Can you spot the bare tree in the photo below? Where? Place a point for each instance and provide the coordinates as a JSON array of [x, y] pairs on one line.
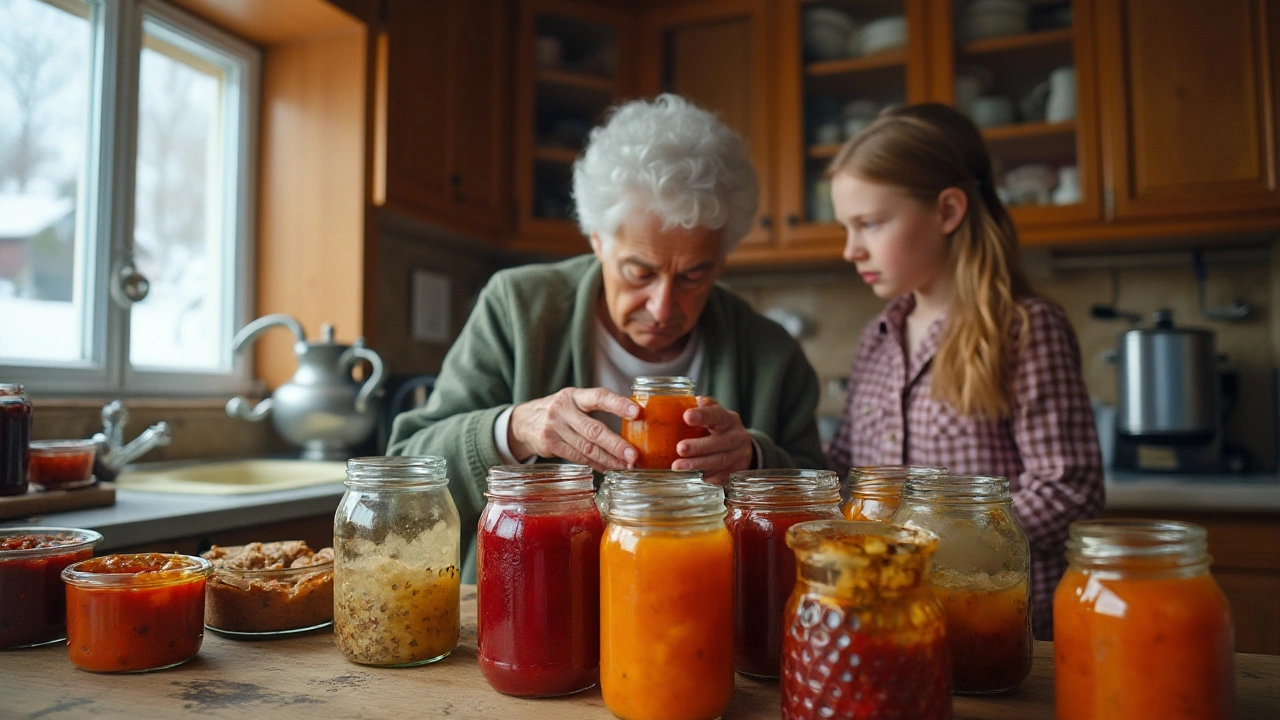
[[30, 66]]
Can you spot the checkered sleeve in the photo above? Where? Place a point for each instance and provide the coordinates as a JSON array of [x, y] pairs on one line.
[[840, 448], [1053, 428]]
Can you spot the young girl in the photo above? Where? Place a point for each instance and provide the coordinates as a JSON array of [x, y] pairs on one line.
[[966, 368]]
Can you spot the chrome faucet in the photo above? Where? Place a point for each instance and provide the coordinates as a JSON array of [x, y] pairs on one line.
[[113, 454]]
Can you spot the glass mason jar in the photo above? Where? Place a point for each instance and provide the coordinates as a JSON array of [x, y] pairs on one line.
[[875, 491], [660, 425], [666, 602], [15, 437], [763, 504], [395, 563], [981, 575], [538, 556], [33, 600], [1141, 629], [862, 634]]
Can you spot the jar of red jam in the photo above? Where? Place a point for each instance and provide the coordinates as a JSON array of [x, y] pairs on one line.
[[862, 635], [134, 613], [1141, 629], [61, 464], [875, 491], [981, 575], [33, 605], [660, 427], [15, 436], [538, 567], [763, 505]]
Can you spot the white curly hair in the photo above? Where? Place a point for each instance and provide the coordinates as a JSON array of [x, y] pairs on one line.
[[669, 158]]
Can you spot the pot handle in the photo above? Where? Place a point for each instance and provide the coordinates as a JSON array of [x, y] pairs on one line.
[[356, 352]]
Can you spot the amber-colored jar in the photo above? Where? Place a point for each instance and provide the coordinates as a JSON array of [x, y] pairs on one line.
[[862, 635], [660, 427], [1141, 629], [875, 491]]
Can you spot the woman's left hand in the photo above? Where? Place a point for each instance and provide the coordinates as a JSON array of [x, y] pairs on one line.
[[727, 449]]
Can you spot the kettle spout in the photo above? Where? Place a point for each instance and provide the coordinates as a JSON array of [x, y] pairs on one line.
[[239, 407]]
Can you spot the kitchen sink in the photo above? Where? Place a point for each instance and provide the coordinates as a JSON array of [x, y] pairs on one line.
[[232, 477]]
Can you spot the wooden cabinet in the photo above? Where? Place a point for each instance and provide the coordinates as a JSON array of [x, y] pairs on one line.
[[441, 130]]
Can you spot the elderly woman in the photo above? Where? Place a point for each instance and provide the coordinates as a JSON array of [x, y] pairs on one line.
[[544, 366]]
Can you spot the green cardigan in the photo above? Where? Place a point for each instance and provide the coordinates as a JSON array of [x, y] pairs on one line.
[[532, 333]]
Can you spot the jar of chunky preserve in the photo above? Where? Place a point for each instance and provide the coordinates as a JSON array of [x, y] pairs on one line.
[[538, 556], [33, 603], [981, 575], [875, 491], [862, 635], [395, 566], [763, 504], [1141, 629], [666, 602], [660, 427], [15, 436]]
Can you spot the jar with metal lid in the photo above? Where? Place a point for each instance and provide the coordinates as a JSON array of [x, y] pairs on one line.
[[862, 635], [763, 504], [395, 567], [1141, 629], [666, 601], [981, 575], [15, 438], [538, 605], [660, 427], [875, 491]]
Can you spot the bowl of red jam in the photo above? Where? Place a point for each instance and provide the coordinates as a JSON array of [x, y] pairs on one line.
[[33, 605], [135, 613], [61, 464]]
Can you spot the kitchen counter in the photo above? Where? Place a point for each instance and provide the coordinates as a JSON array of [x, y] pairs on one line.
[[306, 676], [1226, 492]]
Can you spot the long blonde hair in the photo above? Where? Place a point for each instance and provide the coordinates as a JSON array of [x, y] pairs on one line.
[[925, 149]]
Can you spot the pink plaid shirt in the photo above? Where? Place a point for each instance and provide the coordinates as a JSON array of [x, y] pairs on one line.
[[1047, 446]]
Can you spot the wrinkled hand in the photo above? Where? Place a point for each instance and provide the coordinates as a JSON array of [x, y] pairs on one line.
[[727, 449], [557, 426]]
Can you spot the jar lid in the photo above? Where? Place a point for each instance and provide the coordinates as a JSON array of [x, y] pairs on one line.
[[1119, 538], [783, 487], [402, 471], [663, 384], [663, 500], [546, 481]]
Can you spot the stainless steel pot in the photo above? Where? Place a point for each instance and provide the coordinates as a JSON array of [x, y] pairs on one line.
[[1168, 383]]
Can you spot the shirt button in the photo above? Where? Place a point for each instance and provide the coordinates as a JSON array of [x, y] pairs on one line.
[[867, 409], [892, 438]]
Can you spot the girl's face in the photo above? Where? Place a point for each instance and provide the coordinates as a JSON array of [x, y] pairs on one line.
[[899, 244]]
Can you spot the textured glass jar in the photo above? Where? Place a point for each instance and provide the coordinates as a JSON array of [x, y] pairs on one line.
[[1141, 629], [538, 554], [763, 504], [981, 575], [660, 427], [862, 635], [395, 565], [875, 491], [666, 602], [15, 437]]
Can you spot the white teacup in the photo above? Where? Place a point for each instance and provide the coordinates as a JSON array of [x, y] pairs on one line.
[[1062, 95]]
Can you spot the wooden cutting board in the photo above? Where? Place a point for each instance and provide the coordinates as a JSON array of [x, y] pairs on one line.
[[41, 503]]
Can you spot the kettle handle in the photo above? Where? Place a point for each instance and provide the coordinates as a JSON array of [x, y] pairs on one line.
[[358, 351]]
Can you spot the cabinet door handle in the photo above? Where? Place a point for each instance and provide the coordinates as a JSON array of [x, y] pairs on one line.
[[766, 222], [793, 220]]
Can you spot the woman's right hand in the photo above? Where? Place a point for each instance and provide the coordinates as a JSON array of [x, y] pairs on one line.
[[558, 426]]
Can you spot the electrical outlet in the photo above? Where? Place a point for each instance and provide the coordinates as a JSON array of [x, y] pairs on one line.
[[429, 307]]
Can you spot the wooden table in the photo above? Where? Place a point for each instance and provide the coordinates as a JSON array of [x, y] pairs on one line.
[[305, 676]]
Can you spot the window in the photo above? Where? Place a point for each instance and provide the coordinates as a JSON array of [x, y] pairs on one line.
[[127, 138]]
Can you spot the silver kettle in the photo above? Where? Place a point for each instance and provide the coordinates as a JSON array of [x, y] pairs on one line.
[[1167, 382], [322, 407]]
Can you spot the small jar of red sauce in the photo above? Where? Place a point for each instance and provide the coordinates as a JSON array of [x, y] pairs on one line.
[[763, 504], [133, 613], [538, 566], [875, 491], [862, 635], [33, 605], [660, 427], [15, 436], [61, 464], [1140, 627]]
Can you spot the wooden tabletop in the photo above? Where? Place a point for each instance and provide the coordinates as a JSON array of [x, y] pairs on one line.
[[305, 676]]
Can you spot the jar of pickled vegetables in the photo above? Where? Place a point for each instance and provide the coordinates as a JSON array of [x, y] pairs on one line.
[[660, 426], [875, 491], [862, 635], [666, 602], [395, 566], [1141, 629], [538, 555], [763, 504], [980, 576]]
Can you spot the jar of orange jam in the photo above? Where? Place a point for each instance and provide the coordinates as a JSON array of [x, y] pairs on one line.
[[1141, 629], [666, 602], [133, 613], [980, 577], [660, 426], [875, 491]]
